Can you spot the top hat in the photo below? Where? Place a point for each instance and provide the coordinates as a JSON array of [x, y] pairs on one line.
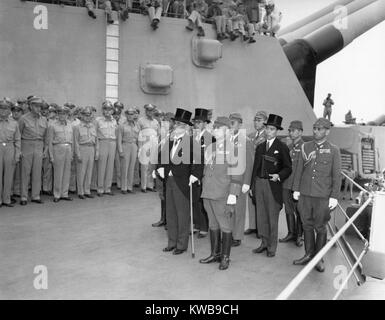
[[182, 115], [201, 114], [274, 120]]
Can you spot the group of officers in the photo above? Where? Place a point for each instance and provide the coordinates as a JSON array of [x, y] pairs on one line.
[[224, 169]]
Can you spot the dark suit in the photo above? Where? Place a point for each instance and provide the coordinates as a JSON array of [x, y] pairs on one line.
[[268, 193], [177, 170]]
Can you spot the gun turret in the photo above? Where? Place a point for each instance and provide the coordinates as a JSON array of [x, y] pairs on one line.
[[306, 53]]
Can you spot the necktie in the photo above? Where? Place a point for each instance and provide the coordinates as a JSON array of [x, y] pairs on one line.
[[267, 145], [174, 147]]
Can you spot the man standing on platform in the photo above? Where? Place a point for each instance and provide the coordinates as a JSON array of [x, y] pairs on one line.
[[203, 139], [33, 129], [178, 170], [241, 144], [328, 103], [272, 166], [257, 137], [317, 186], [293, 219]]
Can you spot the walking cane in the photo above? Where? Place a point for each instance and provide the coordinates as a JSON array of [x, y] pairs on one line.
[[191, 223]]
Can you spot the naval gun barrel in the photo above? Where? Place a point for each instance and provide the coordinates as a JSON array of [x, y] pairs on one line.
[[315, 16], [328, 18], [305, 54], [380, 121]]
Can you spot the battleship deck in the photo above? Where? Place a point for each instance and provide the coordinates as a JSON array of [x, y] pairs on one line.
[[105, 248]]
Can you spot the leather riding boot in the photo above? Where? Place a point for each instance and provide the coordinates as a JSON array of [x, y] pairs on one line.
[[299, 232], [309, 248], [290, 228], [319, 244], [215, 241], [226, 247]]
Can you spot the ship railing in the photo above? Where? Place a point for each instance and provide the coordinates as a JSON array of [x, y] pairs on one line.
[[301, 276]]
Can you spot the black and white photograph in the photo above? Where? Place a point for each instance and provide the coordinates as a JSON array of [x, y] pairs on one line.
[[200, 152]]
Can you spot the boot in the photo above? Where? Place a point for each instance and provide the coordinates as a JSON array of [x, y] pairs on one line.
[[226, 247], [299, 232], [91, 14], [215, 240], [190, 25], [309, 248], [201, 32], [319, 244], [290, 228]]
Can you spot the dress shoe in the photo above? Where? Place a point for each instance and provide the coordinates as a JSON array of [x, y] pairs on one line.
[[144, 190], [236, 243], [304, 260], [260, 249], [81, 197], [250, 231], [168, 249], [56, 199], [37, 201], [100, 194], [289, 237], [202, 234], [252, 40], [90, 196], [109, 193], [136, 185], [23, 202], [159, 224], [270, 254], [299, 242], [131, 191], [124, 192], [320, 266], [13, 200], [178, 251], [151, 189], [66, 198], [47, 193], [8, 205]]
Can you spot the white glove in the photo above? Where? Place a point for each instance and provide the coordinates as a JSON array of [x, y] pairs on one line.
[[153, 174], [192, 180], [296, 195], [161, 172], [231, 199], [245, 188], [332, 203]]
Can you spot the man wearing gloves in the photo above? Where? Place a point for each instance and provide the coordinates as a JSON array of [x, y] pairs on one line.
[[317, 185], [178, 169], [221, 186]]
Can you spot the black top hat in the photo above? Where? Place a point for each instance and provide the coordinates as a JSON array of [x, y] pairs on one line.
[[201, 114], [182, 115], [274, 120]]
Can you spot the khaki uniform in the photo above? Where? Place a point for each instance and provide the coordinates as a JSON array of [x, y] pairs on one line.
[[9, 153], [127, 138], [33, 130], [148, 153], [106, 133], [74, 123], [256, 138], [47, 168], [86, 147], [60, 146]]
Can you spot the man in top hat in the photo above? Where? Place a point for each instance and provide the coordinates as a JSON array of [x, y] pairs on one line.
[[272, 166], [317, 185], [60, 146], [9, 152], [221, 187], [127, 139], [178, 169], [241, 145], [33, 130], [203, 140], [86, 150], [257, 137], [293, 219], [106, 128], [148, 143]]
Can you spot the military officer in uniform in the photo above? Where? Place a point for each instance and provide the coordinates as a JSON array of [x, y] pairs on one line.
[[293, 219], [33, 130], [272, 166], [221, 186], [178, 169], [257, 137], [148, 143], [60, 146], [9, 152], [86, 149], [203, 140], [127, 140], [17, 112], [317, 186], [106, 128], [240, 143]]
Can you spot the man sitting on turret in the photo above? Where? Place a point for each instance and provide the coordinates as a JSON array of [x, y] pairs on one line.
[[199, 10], [119, 5], [271, 21], [154, 9]]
